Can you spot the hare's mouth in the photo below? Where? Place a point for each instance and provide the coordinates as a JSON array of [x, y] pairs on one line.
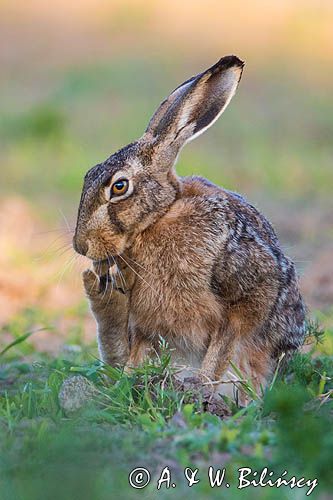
[[103, 249], [102, 263], [98, 252], [102, 267]]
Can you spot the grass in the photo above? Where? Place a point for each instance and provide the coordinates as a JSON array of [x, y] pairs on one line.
[[145, 420]]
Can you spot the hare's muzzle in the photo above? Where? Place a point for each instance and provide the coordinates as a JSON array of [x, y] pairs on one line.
[[80, 245]]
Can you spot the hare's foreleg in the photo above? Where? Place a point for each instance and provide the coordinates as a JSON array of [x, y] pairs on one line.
[[110, 309]]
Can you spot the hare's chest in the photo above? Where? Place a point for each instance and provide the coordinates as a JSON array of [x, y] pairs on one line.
[[172, 298]]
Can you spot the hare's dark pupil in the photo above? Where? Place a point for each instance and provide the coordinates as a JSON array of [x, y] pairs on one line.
[[119, 187]]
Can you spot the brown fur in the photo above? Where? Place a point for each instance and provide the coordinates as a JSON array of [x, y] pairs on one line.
[[200, 266]]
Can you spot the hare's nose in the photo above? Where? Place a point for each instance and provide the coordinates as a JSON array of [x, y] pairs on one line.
[[80, 245]]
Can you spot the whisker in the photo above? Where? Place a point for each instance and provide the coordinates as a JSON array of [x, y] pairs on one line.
[[106, 286], [110, 292], [122, 278], [91, 289], [66, 267], [65, 219], [64, 248], [52, 243], [109, 298], [79, 267], [107, 281], [60, 230], [134, 271], [140, 265], [108, 277]]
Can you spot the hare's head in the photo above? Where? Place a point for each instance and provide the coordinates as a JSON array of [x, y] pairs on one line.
[[122, 196]]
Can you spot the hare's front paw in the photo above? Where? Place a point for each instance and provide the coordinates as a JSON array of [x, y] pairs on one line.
[[99, 290]]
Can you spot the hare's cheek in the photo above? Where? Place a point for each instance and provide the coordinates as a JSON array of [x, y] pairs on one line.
[[114, 244], [104, 237], [103, 246]]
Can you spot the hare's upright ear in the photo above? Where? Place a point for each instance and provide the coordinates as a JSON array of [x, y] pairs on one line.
[[194, 106]]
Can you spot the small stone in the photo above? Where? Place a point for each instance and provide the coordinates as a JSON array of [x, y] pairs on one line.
[[71, 349], [75, 393]]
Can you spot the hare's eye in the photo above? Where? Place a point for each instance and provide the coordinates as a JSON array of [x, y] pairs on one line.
[[119, 187]]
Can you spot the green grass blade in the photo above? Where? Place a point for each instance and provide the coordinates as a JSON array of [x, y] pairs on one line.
[[22, 338]]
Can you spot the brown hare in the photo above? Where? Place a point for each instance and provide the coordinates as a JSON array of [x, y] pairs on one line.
[[180, 257]]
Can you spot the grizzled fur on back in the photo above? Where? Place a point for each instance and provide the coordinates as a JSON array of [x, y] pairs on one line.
[[181, 257]]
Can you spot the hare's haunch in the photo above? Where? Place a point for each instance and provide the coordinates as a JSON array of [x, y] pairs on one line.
[[180, 257]]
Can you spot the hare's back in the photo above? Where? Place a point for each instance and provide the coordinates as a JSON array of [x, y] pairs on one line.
[[238, 213]]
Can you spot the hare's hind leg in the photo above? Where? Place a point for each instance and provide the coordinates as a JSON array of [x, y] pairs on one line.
[[255, 364], [260, 367], [140, 348], [234, 342], [219, 353]]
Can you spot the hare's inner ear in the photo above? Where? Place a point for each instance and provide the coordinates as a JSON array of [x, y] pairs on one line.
[[195, 105]]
